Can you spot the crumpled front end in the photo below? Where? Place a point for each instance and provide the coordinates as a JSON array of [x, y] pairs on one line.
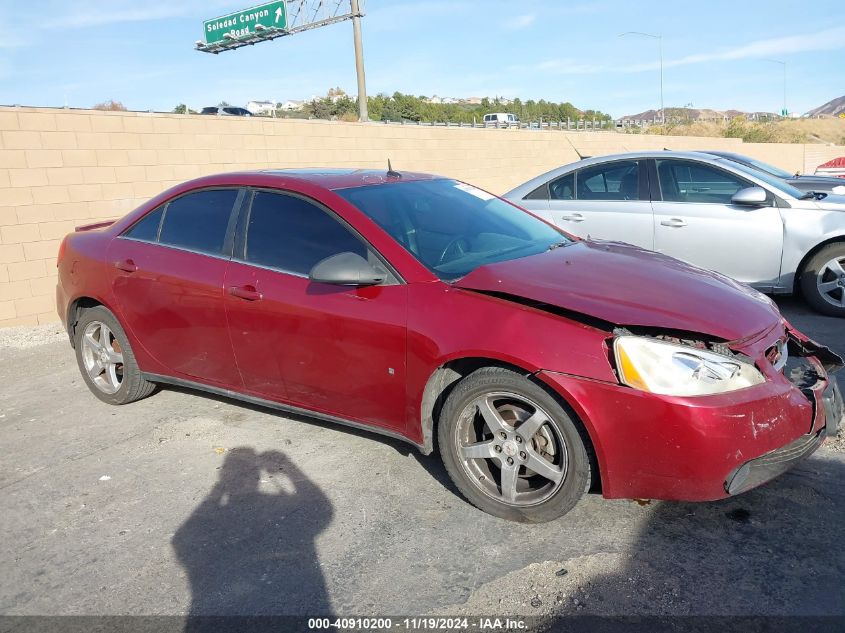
[[709, 447]]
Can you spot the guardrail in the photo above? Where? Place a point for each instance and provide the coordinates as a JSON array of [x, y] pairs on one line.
[[569, 124]]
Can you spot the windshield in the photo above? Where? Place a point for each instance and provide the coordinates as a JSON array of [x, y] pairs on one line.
[[777, 183], [769, 169], [450, 227]]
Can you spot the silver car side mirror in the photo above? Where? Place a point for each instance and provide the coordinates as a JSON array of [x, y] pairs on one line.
[[750, 197]]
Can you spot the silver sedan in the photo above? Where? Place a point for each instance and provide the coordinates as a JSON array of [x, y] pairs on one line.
[[708, 211]]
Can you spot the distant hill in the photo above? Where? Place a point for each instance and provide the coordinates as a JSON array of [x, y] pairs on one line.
[[834, 107], [695, 114]]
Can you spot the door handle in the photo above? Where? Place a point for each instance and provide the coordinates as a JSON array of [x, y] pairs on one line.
[[675, 223], [126, 265], [574, 217], [248, 293]]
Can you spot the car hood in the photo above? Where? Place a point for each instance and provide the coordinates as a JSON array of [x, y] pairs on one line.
[[832, 202], [818, 183], [628, 286]]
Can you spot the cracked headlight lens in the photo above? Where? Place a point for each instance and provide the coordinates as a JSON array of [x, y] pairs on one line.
[[678, 370]]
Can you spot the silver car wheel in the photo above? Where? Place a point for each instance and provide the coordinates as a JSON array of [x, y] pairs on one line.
[[511, 450], [830, 282], [102, 357]]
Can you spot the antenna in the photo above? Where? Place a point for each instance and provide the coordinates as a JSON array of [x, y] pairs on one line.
[[390, 172]]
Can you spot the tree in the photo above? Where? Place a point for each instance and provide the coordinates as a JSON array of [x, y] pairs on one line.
[[182, 109], [405, 107], [111, 105]]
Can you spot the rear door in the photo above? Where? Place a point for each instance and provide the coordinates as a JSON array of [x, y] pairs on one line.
[[335, 349], [608, 201], [168, 281], [695, 221]]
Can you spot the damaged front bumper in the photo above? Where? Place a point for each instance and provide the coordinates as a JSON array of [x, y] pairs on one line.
[[708, 447]]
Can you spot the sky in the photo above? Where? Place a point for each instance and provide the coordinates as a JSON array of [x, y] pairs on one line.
[[716, 54]]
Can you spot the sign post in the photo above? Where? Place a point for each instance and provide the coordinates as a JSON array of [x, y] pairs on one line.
[[359, 62]]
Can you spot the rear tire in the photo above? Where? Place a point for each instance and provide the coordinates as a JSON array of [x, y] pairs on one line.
[[511, 448], [106, 360], [823, 280]]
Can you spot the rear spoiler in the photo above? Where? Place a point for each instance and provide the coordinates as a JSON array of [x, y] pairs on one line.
[[94, 226]]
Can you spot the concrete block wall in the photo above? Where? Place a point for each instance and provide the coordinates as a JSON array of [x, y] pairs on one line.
[[61, 168]]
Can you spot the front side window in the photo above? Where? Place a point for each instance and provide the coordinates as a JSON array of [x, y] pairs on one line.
[[450, 227], [198, 221], [611, 181], [292, 235], [687, 181]]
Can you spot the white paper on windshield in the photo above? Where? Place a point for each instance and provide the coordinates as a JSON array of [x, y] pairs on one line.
[[478, 193], [839, 190]]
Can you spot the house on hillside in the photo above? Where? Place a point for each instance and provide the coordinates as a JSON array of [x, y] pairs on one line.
[[265, 108], [291, 105]]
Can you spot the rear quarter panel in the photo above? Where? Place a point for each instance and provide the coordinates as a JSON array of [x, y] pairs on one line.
[[83, 271]]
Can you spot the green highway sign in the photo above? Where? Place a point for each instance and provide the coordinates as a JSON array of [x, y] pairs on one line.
[[271, 15]]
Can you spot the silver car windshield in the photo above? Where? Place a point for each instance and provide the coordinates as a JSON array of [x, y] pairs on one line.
[[775, 183], [777, 172]]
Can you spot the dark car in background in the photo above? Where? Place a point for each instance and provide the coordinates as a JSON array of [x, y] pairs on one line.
[[819, 184], [226, 111]]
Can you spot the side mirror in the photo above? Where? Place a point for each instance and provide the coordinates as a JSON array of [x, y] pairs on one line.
[[750, 197], [346, 269]]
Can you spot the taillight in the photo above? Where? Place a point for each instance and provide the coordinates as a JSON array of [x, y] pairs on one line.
[[62, 248]]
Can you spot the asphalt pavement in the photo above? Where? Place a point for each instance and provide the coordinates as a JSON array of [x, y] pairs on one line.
[[186, 503]]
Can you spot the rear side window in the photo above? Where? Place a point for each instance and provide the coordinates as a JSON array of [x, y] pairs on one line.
[[563, 188], [612, 181], [146, 229], [292, 234], [198, 221]]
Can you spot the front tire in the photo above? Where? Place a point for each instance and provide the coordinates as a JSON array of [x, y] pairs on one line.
[[106, 360], [823, 280], [511, 448]]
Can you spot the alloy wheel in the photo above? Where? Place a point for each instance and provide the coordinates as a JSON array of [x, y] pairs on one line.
[[511, 449], [102, 357], [830, 282]]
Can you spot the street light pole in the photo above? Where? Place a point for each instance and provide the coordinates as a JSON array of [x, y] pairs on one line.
[[783, 112], [659, 39], [359, 61]]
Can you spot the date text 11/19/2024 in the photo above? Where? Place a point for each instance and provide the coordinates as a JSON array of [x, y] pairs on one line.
[[419, 624]]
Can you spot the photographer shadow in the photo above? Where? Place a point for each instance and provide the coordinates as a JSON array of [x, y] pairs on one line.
[[251, 552]]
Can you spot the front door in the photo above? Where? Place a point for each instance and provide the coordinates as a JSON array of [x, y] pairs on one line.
[[168, 281], [695, 221], [335, 349]]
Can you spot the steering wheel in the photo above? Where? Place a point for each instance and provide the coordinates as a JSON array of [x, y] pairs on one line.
[[457, 247]]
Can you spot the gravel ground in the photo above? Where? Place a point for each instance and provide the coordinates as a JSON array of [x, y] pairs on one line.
[[31, 336]]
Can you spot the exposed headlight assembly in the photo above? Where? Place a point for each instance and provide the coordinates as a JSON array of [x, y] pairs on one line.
[[678, 370]]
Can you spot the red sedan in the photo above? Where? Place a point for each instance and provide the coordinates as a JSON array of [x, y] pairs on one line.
[[541, 366]]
